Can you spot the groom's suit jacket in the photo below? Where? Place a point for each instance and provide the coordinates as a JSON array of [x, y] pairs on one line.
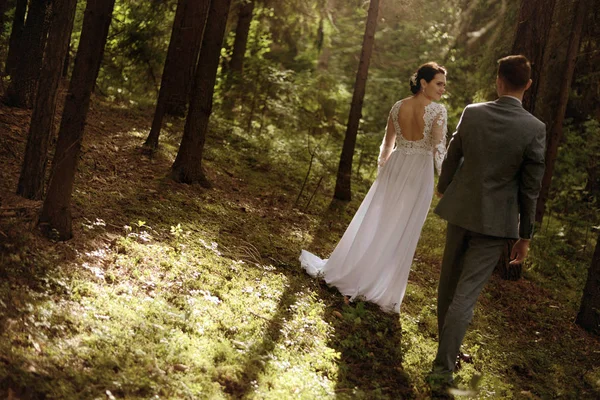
[[491, 175]]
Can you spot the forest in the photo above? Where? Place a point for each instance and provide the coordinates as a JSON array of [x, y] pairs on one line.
[[164, 162]]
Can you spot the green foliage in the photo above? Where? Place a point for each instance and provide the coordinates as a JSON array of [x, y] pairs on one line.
[[136, 50], [5, 30], [307, 87], [575, 190], [566, 240]]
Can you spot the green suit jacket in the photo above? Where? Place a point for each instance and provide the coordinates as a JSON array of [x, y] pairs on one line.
[[491, 175]]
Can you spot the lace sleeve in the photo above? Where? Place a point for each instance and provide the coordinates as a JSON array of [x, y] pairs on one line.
[[389, 140], [439, 131]]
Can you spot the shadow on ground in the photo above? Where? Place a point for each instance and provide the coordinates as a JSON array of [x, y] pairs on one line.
[[367, 339]]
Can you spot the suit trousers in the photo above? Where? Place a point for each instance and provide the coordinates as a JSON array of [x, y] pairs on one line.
[[468, 262]]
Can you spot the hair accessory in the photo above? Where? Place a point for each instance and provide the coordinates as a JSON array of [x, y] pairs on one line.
[[413, 79]]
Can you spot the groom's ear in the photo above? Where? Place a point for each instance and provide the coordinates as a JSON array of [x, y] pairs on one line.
[[499, 85], [529, 82]]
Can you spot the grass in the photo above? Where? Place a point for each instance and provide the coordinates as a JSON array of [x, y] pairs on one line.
[[174, 291]]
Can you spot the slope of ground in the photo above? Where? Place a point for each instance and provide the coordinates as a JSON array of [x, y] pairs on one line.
[[174, 291]]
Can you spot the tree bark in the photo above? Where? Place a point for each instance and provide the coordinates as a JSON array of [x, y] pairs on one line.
[[186, 39], [25, 76], [188, 26], [67, 61], [236, 64], [555, 131], [16, 34], [187, 167], [33, 170], [533, 29], [540, 37], [55, 220], [344, 176], [589, 312]]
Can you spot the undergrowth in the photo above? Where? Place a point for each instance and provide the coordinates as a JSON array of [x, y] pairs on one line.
[[174, 291]]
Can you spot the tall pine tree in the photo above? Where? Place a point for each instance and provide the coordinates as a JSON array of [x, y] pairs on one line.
[[55, 218], [187, 167], [343, 182], [33, 170]]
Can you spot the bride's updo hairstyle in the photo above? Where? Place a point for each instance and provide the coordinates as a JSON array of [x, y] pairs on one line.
[[426, 71]]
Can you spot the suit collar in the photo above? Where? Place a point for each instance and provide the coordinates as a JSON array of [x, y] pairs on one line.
[[509, 100]]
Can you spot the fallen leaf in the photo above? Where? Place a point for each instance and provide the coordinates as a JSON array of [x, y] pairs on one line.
[[37, 347], [180, 367]]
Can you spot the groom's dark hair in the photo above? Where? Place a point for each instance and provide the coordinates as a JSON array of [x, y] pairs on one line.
[[515, 71]]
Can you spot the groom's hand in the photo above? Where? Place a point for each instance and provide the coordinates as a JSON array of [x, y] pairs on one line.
[[519, 251]]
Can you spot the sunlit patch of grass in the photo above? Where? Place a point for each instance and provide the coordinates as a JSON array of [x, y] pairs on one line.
[[190, 321], [138, 133], [560, 260], [592, 379]]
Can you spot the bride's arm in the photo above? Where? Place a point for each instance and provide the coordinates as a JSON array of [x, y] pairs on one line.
[[439, 131], [389, 140]]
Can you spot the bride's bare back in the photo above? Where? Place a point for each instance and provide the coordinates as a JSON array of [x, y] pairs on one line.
[[410, 119]]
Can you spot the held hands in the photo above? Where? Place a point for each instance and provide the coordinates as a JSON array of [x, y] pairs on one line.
[[519, 251]]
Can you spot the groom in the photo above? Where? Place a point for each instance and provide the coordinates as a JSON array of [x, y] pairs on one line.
[[490, 181]]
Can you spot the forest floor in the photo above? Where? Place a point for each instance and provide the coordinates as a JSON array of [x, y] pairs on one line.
[[175, 291]]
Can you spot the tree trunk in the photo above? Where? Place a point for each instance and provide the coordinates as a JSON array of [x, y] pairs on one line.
[[33, 170], [533, 29], [67, 61], [180, 64], [540, 37], [256, 82], [556, 127], [55, 219], [236, 65], [242, 31], [342, 185], [16, 34], [185, 39], [23, 84], [589, 312], [187, 167]]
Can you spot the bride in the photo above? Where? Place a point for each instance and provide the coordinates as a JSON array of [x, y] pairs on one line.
[[373, 258]]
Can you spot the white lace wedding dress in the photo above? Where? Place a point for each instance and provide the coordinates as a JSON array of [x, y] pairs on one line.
[[372, 260]]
